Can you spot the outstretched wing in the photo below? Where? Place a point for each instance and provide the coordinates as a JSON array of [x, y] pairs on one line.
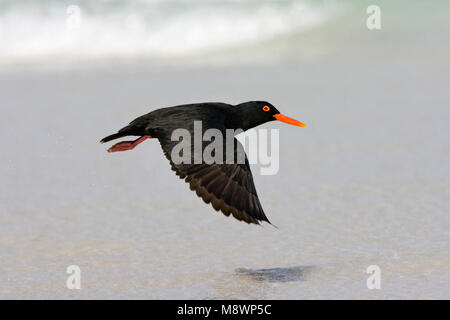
[[228, 187]]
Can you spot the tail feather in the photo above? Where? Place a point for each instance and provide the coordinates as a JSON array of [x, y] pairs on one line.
[[130, 130], [114, 136]]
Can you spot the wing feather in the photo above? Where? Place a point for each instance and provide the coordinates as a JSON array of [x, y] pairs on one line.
[[229, 188]]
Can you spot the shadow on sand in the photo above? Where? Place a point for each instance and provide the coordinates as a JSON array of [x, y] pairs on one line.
[[288, 274]]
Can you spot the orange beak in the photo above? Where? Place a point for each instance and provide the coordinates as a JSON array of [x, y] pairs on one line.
[[288, 120]]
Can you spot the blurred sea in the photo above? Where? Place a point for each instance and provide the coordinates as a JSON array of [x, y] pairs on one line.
[[148, 28], [193, 31]]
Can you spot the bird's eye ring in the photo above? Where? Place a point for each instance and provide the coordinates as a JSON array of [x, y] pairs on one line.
[[266, 108]]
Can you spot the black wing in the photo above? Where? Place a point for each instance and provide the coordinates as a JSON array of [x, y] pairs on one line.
[[228, 187]]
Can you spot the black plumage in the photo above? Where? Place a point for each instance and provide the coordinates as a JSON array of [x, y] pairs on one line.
[[229, 187]]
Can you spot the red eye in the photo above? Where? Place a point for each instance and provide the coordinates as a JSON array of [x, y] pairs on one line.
[[266, 108]]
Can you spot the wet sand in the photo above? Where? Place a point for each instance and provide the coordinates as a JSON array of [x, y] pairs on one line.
[[366, 183]]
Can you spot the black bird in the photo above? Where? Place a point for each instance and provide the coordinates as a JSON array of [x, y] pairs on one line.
[[228, 187]]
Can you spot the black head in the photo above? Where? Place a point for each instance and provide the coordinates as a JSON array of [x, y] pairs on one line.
[[253, 113]]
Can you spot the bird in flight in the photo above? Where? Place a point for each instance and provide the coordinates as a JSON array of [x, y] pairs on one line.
[[229, 187]]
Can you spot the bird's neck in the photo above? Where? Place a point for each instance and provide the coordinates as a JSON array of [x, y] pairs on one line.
[[240, 118]]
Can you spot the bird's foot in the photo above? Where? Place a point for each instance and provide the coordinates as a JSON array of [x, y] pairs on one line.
[[127, 145]]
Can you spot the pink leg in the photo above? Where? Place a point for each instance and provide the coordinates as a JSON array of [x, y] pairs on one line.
[[127, 145]]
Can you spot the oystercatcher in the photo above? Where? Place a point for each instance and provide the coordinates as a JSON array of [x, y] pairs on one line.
[[229, 187]]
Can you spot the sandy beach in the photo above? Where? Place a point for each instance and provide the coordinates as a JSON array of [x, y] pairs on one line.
[[366, 183]]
